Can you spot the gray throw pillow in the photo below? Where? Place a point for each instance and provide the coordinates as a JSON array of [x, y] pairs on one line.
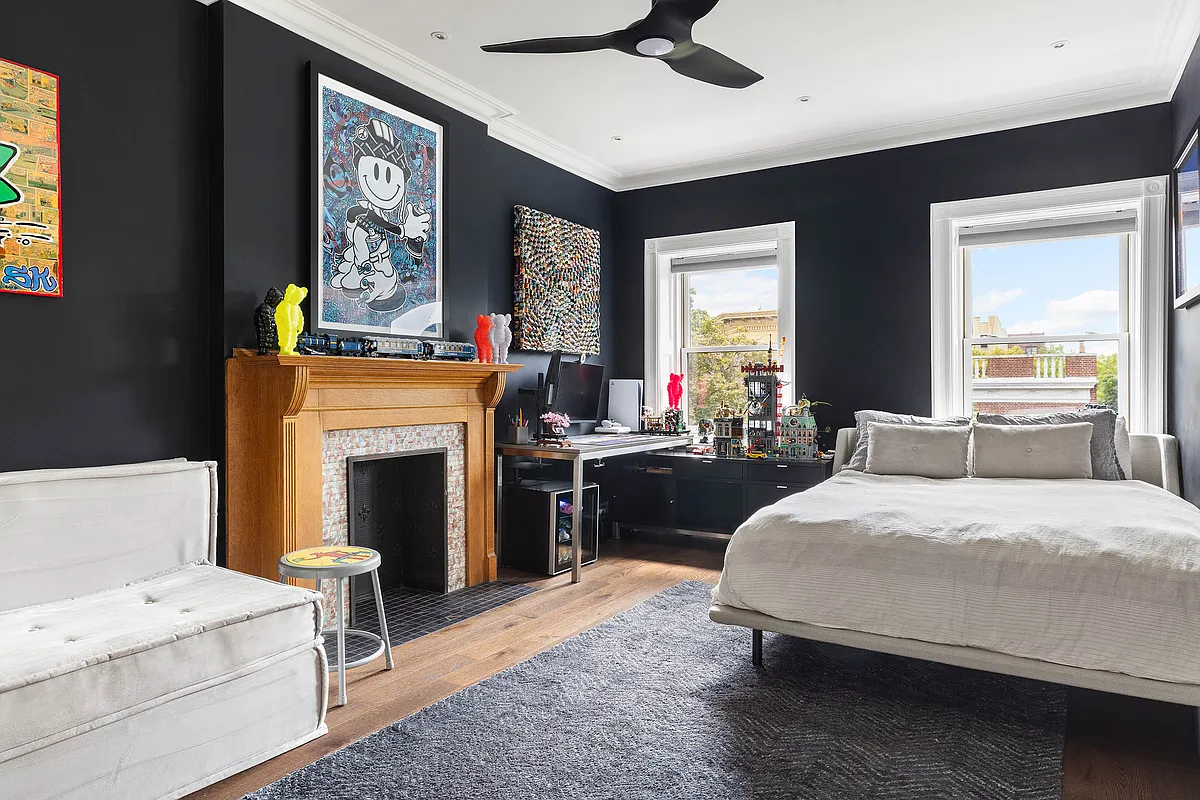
[[929, 451], [858, 460], [1105, 465], [1033, 451]]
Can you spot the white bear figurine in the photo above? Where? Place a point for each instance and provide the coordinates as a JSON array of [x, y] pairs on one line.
[[500, 337]]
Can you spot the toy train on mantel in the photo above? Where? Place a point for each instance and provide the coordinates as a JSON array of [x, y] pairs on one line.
[[322, 344]]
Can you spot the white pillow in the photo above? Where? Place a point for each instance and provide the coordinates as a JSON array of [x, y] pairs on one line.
[[927, 451], [1124, 448], [858, 459], [1032, 451]]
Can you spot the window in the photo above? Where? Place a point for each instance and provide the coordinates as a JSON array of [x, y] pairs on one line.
[[1052, 301], [714, 302], [1047, 328]]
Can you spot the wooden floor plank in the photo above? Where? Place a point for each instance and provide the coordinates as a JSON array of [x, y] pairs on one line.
[[1117, 748]]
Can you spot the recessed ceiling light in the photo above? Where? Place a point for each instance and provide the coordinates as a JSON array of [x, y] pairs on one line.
[[803, 98], [441, 36], [616, 138], [1060, 44]]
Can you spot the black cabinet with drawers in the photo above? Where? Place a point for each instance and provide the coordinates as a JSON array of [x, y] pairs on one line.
[[680, 491]]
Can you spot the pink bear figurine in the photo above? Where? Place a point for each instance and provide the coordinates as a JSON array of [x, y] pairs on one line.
[[481, 338], [675, 390]]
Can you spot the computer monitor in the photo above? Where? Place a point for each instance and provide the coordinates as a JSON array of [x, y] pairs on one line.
[[577, 390]]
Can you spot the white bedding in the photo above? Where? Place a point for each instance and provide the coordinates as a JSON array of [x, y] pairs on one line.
[[1102, 575]]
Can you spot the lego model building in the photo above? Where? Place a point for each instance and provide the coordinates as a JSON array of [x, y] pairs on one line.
[[728, 430], [764, 405], [798, 432]]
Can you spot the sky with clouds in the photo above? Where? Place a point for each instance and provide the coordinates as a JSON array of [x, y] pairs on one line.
[[735, 290], [1056, 288], [1061, 287]]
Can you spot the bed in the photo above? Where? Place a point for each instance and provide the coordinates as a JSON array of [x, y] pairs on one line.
[[1085, 583]]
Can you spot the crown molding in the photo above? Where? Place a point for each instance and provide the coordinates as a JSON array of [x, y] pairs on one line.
[[1018, 115], [309, 20], [314, 23], [1179, 39]]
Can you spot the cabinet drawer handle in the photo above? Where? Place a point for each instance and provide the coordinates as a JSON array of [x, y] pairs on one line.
[[706, 461], [783, 487], [781, 466]]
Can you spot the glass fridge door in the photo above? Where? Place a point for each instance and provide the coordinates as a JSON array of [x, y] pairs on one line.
[[563, 535]]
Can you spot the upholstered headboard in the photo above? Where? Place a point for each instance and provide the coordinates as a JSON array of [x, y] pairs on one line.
[[1155, 457]]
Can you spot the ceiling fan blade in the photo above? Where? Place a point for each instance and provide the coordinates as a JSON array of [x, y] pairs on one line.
[[560, 44], [705, 64], [688, 10]]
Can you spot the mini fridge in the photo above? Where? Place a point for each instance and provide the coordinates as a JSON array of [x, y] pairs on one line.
[[537, 535]]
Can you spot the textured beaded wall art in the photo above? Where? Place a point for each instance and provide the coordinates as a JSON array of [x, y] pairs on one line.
[[557, 300]]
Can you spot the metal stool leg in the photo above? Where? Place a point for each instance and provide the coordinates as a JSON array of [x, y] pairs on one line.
[[383, 632], [341, 636]]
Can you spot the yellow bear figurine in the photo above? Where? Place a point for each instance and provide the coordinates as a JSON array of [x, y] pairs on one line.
[[289, 319]]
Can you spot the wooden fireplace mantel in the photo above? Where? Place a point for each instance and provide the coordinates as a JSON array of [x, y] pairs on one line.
[[278, 407]]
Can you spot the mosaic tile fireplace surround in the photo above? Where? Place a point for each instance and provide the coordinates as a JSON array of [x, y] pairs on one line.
[[337, 446]]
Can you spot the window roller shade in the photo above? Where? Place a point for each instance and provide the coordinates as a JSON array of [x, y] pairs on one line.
[[725, 261], [1105, 224]]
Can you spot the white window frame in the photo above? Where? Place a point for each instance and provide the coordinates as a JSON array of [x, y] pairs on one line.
[[665, 327], [1144, 290]]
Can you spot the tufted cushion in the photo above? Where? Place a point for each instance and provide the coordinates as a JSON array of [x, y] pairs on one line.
[[858, 461], [926, 450], [1106, 466], [1033, 451], [72, 665]]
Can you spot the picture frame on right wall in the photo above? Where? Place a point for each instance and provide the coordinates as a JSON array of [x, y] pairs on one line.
[[1185, 180]]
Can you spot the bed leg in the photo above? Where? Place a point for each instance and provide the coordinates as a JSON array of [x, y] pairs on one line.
[[757, 652]]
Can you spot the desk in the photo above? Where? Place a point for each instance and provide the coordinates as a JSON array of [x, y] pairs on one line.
[[592, 447]]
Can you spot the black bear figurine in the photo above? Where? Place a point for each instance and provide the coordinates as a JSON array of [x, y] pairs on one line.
[[264, 322]]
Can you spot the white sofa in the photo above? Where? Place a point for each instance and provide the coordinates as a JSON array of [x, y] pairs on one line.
[[131, 667]]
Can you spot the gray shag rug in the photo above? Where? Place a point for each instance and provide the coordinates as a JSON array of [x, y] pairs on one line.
[[660, 702]]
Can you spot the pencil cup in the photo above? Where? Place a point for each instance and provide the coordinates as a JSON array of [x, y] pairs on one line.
[[518, 435]]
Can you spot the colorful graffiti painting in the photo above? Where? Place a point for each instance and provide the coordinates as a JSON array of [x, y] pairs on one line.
[[377, 264], [30, 203]]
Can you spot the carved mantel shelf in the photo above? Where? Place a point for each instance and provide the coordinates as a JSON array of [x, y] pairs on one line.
[[277, 409]]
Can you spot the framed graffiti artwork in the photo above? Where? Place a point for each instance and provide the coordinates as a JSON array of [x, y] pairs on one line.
[[377, 251], [30, 215]]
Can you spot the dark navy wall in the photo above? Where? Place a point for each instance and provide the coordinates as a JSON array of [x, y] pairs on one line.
[[117, 369], [862, 240], [1185, 322]]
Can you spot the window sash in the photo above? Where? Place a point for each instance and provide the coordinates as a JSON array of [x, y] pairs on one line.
[[726, 348], [682, 289], [1127, 250]]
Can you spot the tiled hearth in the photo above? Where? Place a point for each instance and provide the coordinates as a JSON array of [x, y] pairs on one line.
[[338, 445]]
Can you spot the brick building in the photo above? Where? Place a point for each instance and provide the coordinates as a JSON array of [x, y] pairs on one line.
[[759, 326], [1033, 383]]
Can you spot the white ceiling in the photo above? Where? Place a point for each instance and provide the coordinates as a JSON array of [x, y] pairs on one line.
[[880, 73]]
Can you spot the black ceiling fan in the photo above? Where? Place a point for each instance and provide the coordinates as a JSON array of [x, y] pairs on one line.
[[665, 34]]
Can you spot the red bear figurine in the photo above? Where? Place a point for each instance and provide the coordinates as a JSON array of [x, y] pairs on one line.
[[481, 338], [675, 390]]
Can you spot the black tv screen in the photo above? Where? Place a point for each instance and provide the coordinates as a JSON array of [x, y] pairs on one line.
[[578, 391]]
